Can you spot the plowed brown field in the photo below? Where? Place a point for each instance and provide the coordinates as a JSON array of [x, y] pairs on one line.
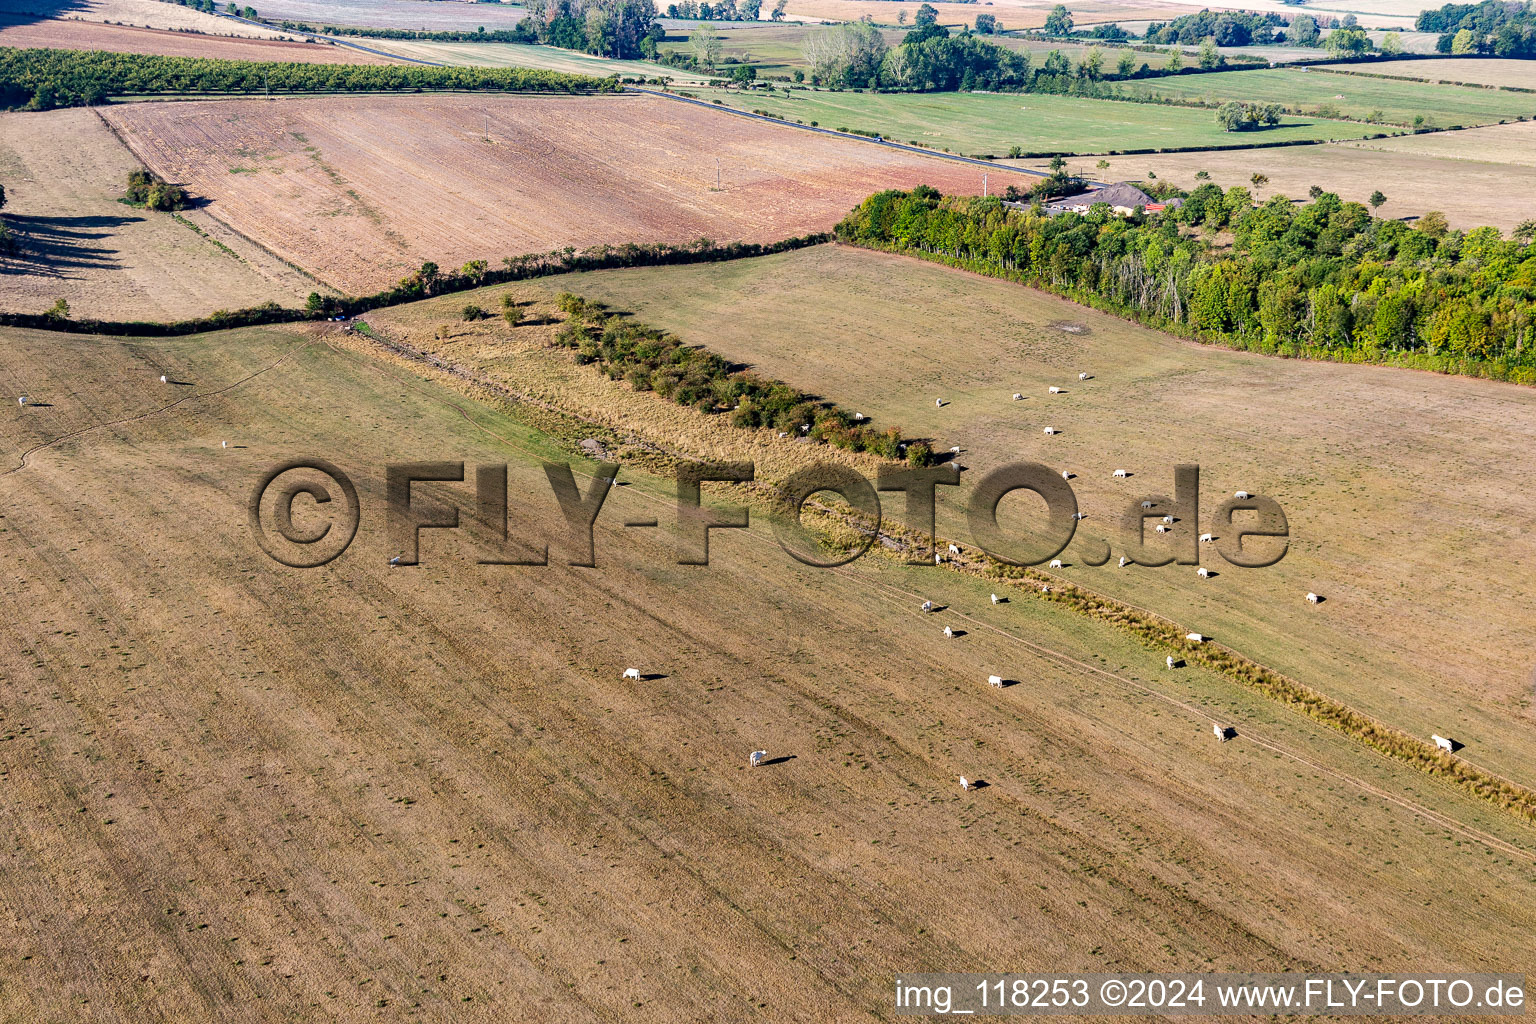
[[362, 190], [90, 35]]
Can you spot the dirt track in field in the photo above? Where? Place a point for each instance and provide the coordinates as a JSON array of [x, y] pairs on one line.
[[362, 190]]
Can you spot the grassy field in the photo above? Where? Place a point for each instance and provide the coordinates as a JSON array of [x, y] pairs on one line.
[[1422, 627], [1520, 74], [362, 190], [418, 15], [521, 55], [451, 806], [137, 13], [1475, 177], [1013, 13], [993, 123], [1398, 102], [772, 48], [64, 173]]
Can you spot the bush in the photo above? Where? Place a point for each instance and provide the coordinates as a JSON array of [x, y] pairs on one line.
[[473, 312], [149, 190], [919, 454]]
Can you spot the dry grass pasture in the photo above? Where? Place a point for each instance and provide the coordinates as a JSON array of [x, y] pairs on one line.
[[1013, 13], [89, 35], [1403, 489], [243, 792], [1519, 74], [362, 190], [1475, 177], [64, 172], [528, 55], [421, 15]]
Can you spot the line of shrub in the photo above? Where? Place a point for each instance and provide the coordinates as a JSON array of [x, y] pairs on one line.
[[649, 359], [425, 283]]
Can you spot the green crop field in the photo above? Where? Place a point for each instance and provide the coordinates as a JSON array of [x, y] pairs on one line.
[[992, 123], [527, 55], [774, 49], [1354, 96]]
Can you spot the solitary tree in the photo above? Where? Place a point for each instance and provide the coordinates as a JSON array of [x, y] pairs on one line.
[[1524, 232], [1392, 43], [1102, 165], [1377, 199], [1202, 175], [1058, 22], [901, 16], [1259, 180], [1126, 66], [1210, 57], [510, 310], [1315, 191], [706, 45], [1175, 61]]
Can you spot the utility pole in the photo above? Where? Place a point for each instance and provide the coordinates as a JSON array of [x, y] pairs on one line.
[[717, 174], [983, 186]]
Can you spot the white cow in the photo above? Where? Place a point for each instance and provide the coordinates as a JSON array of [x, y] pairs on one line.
[[1161, 528], [938, 403], [1146, 504], [1195, 638], [22, 400], [1055, 563], [1170, 661], [948, 632], [1121, 473], [395, 560], [1067, 474], [162, 378], [966, 784], [954, 450], [1123, 562], [927, 606], [1167, 519], [1202, 572], [996, 681], [1220, 731], [1079, 515], [1313, 599], [1206, 538], [1052, 430], [756, 757], [858, 417], [938, 559], [1045, 588], [995, 599], [1447, 745], [1082, 376], [1018, 397], [1242, 494], [1055, 390], [223, 444], [954, 549], [631, 673]]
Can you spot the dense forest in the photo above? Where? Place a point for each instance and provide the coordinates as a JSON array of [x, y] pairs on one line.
[[43, 79], [1503, 29], [1322, 280]]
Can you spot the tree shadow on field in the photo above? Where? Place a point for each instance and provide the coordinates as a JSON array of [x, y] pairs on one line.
[[25, 12], [53, 246]]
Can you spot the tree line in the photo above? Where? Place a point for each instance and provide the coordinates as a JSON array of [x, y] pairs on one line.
[[1323, 280], [1501, 29], [44, 79]]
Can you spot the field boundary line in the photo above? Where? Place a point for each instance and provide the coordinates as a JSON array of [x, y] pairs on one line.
[[1436, 817]]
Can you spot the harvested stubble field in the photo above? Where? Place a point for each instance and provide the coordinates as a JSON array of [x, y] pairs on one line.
[[417, 15], [1519, 74], [1353, 96], [454, 809], [139, 13], [1404, 490], [89, 35], [1475, 177], [992, 123], [64, 172], [362, 190], [521, 55], [1013, 13]]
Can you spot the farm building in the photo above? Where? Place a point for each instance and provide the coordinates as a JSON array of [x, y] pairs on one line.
[[1122, 197]]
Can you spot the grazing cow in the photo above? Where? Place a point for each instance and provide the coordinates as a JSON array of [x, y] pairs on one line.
[[783, 433], [954, 549], [1121, 473], [1242, 494], [162, 379], [966, 784], [1082, 376], [1123, 562], [1161, 528], [1206, 538], [1018, 397], [1447, 745], [1079, 515], [395, 560], [223, 444], [1195, 638], [756, 757], [631, 673], [1045, 588], [1170, 661], [22, 400], [1167, 519], [996, 681], [938, 403], [805, 428], [858, 417], [1220, 731], [1055, 390], [938, 559], [954, 450], [1067, 474], [1202, 572], [1052, 430], [948, 633], [1055, 563], [1146, 504], [927, 606], [995, 599], [1313, 599]]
